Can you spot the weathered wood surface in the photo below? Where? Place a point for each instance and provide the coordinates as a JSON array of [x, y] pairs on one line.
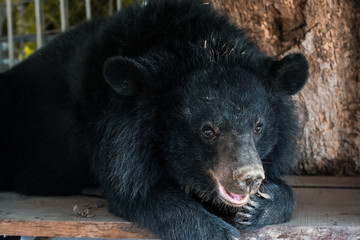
[[54, 217], [327, 208], [324, 182]]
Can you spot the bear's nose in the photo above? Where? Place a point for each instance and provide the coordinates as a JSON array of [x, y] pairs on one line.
[[250, 184], [249, 179]]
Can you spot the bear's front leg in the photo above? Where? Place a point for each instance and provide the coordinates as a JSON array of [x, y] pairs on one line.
[[272, 204], [172, 215]]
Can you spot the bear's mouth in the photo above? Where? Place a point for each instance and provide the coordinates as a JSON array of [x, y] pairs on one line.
[[235, 200]]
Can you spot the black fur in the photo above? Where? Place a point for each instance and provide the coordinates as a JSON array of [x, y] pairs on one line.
[[122, 101]]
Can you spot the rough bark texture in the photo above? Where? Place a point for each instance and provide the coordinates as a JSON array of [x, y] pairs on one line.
[[328, 33]]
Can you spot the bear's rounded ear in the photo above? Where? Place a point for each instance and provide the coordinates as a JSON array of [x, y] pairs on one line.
[[290, 74], [124, 75]]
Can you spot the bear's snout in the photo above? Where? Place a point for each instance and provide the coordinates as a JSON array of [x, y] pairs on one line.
[[248, 179], [235, 186]]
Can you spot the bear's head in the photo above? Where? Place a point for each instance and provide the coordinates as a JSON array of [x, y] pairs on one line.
[[222, 127]]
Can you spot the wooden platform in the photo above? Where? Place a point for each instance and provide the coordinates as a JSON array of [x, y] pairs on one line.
[[327, 208]]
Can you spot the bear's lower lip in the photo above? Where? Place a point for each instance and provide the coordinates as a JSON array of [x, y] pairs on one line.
[[232, 199]]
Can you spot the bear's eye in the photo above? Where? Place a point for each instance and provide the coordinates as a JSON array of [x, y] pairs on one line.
[[258, 128], [208, 132]]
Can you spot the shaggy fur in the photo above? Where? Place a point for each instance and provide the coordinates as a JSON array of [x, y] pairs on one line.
[[124, 103]]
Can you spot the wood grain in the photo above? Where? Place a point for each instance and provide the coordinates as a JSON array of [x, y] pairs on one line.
[[324, 182], [54, 216]]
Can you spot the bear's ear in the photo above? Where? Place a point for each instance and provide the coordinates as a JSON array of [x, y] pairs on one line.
[[290, 74], [125, 75]]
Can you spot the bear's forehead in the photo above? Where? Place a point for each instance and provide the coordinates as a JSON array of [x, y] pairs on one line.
[[232, 89], [225, 94], [222, 105]]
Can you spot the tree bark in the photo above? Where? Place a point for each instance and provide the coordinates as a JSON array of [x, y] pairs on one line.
[[328, 33]]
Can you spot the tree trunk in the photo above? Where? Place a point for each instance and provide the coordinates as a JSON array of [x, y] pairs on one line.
[[328, 33]]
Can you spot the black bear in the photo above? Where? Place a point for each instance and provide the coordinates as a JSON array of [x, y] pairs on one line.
[[185, 124]]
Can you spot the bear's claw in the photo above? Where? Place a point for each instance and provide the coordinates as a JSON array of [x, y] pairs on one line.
[[245, 215], [253, 204], [249, 208], [263, 195], [245, 223]]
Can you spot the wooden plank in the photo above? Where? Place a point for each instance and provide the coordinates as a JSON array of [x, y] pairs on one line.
[[320, 213], [302, 233], [54, 216], [326, 207], [324, 182], [77, 229]]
